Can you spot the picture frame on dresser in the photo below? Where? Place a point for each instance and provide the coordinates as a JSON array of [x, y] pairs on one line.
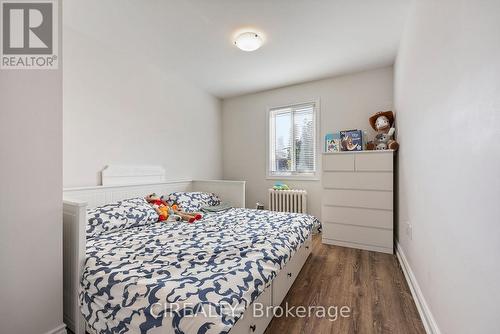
[[357, 208]]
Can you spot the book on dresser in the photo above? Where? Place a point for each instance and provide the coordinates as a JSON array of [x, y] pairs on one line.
[[357, 201]]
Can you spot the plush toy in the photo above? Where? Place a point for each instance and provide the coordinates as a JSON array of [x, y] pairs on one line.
[[382, 122], [280, 186], [155, 199], [187, 216], [170, 213], [161, 207], [163, 212]]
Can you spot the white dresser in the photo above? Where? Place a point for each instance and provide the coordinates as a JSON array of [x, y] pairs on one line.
[[357, 204]]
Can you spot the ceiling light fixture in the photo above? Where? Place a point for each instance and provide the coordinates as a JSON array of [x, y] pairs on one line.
[[248, 41]]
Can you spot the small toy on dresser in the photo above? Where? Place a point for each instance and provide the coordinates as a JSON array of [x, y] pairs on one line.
[[383, 122]]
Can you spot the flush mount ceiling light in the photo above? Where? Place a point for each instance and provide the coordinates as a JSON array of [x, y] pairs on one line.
[[248, 41]]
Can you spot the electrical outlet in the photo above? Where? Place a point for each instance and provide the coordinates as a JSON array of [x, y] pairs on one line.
[[409, 230]]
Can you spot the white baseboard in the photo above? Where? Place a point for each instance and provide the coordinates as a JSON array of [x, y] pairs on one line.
[[422, 306], [61, 329]]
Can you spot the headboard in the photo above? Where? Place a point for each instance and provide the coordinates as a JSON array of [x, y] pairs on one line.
[[232, 192], [75, 204], [114, 175]]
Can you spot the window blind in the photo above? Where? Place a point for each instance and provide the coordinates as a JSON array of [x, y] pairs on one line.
[[292, 140]]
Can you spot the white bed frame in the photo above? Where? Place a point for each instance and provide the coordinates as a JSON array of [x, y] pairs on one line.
[[77, 200], [75, 204]]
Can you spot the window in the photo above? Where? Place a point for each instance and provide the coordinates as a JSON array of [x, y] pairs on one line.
[[292, 141]]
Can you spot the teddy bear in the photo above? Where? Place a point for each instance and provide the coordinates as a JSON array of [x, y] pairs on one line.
[[382, 122]]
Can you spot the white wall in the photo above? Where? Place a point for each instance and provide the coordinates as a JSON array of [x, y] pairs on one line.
[[121, 109], [447, 97], [30, 201], [346, 103]]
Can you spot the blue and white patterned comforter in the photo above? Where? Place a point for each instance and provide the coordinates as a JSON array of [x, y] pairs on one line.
[[186, 278]]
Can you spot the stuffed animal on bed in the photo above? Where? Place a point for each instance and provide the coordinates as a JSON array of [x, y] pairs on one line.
[[190, 217], [170, 213], [160, 206]]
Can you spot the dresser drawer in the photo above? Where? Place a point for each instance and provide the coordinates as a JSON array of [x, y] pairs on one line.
[[298, 260], [379, 161], [357, 216], [362, 181], [281, 285], [358, 234], [358, 198], [287, 275], [338, 162], [251, 324]]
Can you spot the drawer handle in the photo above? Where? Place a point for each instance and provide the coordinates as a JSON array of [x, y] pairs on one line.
[[253, 328], [307, 247], [289, 274]]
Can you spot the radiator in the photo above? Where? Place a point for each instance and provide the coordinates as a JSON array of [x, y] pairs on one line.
[[288, 200]]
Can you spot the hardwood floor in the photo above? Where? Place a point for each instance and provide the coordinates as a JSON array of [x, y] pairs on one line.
[[371, 284]]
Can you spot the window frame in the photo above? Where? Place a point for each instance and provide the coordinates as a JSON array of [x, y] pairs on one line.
[[317, 147]]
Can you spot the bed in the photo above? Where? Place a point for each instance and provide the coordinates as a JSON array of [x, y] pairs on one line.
[[179, 277]]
